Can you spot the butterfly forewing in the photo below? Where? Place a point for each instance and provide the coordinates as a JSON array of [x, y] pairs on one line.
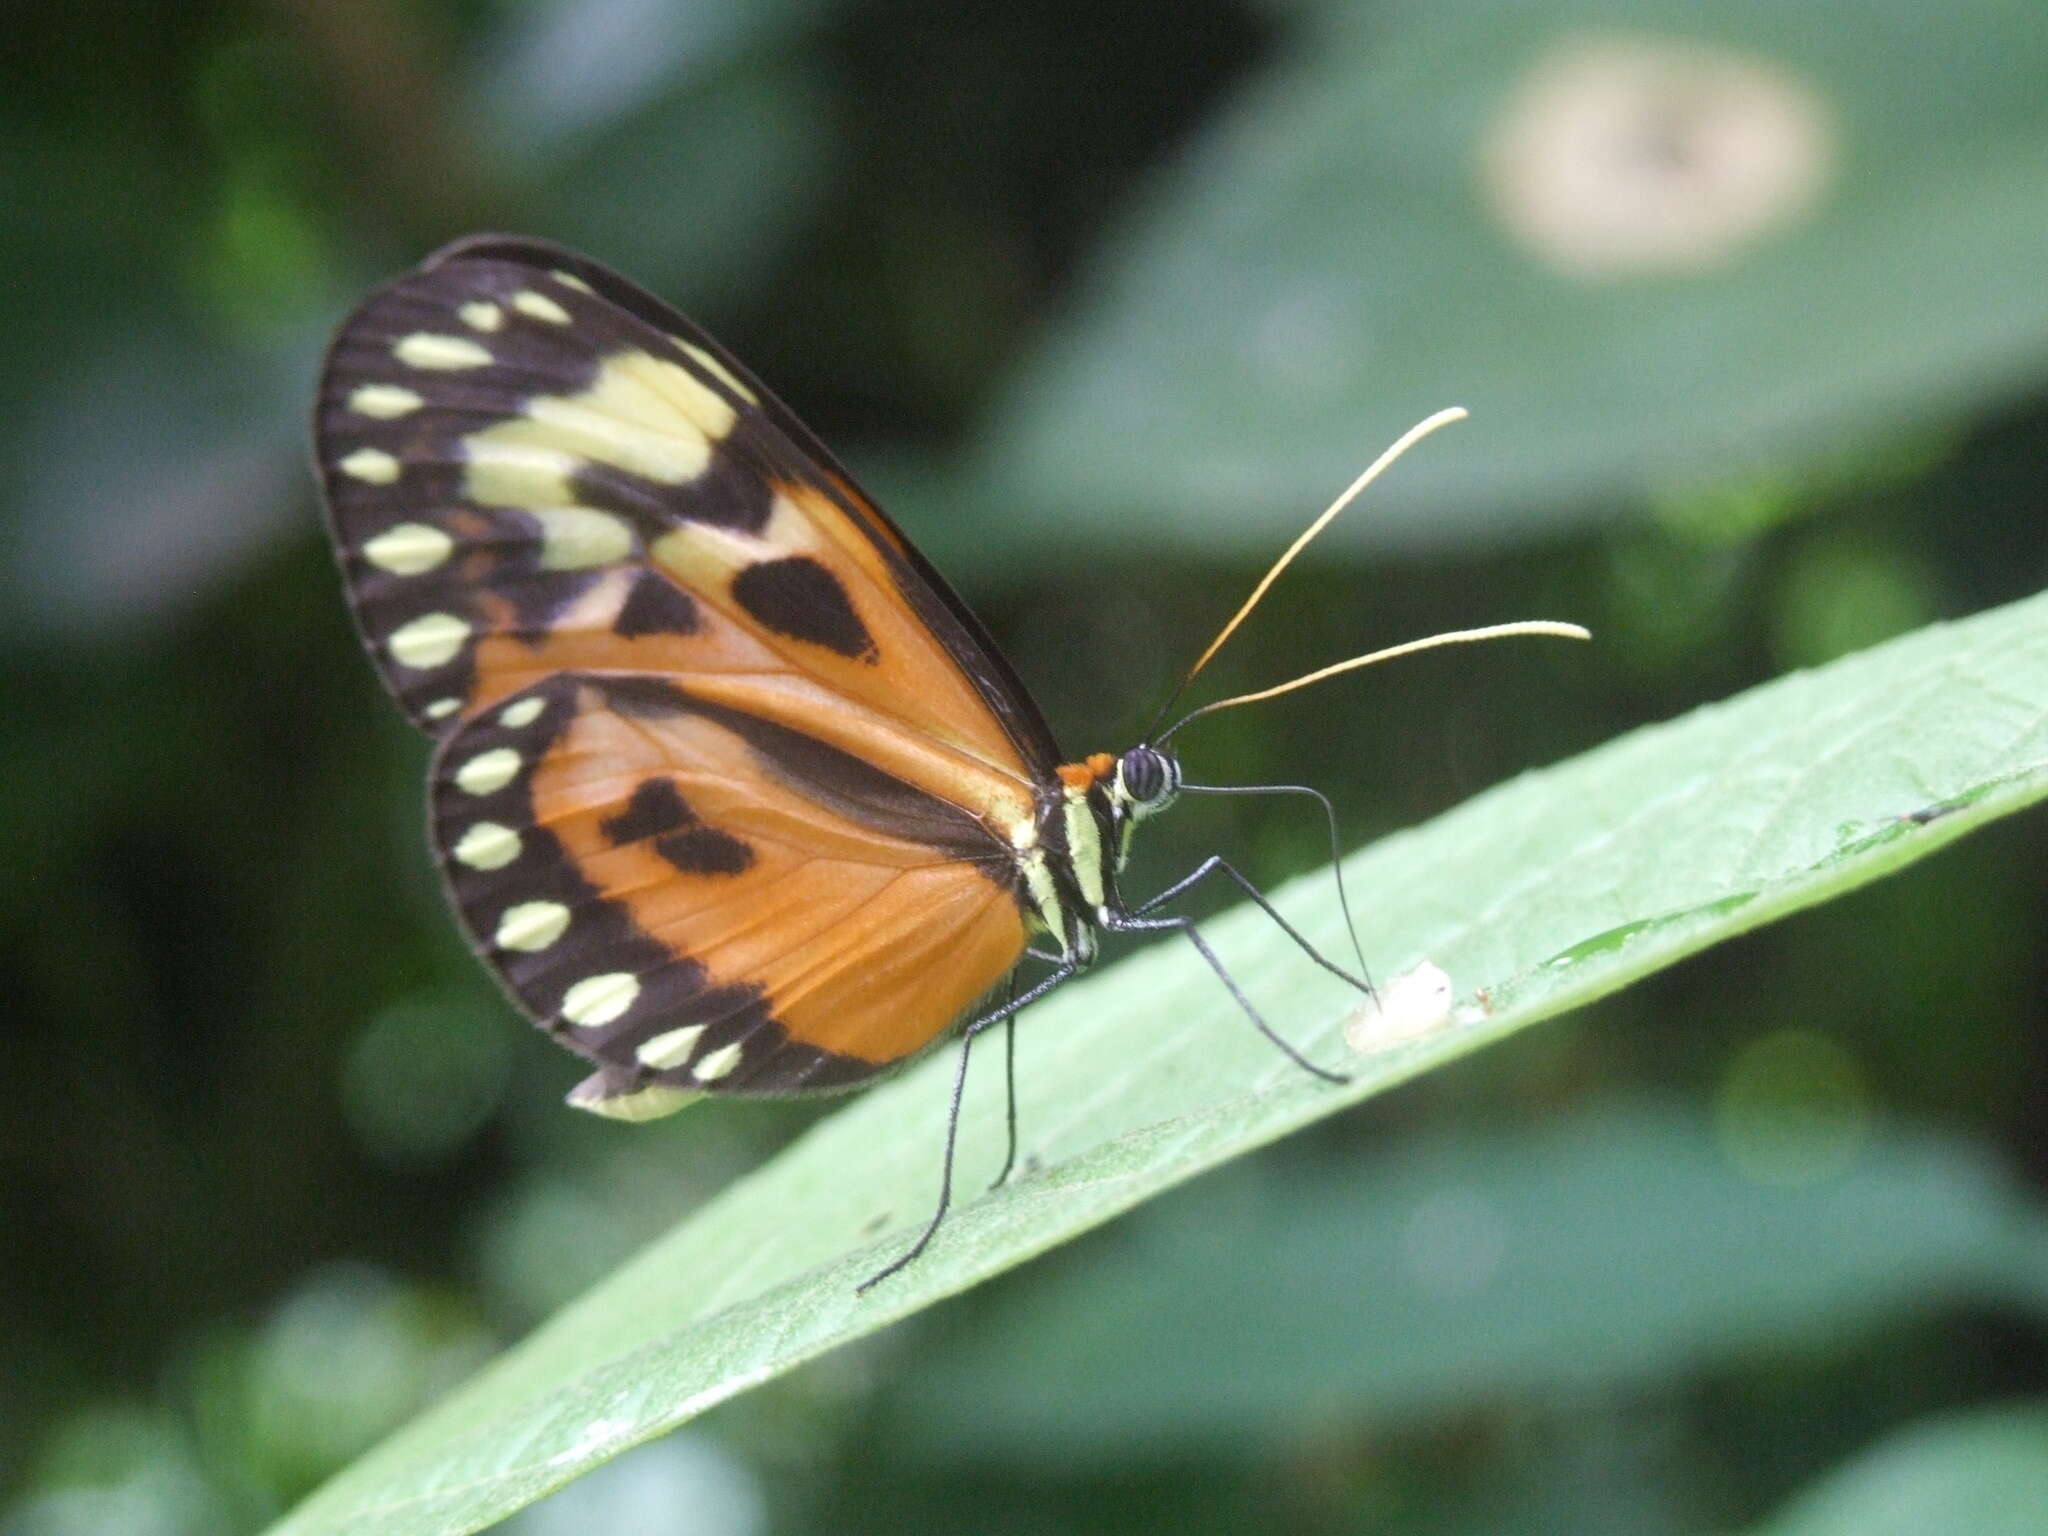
[[729, 785]]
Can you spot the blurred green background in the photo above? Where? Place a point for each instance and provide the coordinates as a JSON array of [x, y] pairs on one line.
[[1105, 301]]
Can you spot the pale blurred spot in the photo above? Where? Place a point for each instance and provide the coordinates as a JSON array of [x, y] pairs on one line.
[[349, 1355], [115, 1469], [1793, 1109], [1454, 1244], [687, 1484], [1310, 338], [425, 1077], [1629, 155]]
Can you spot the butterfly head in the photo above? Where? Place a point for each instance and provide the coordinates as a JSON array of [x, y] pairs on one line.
[[1144, 780]]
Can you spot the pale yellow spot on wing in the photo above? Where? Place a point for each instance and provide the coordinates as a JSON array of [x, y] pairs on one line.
[[488, 772], [383, 401], [717, 1064], [426, 349], [481, 315], [649, 1103], [570, 279], [406, 549], [487, 845], [576, 538], [525, 712], [710, 364], [646, 415], [671, 1048], [598, 1000], [508, 470], [531, 926], [441, 709], [540, 307], [428, 641], [372, 465]]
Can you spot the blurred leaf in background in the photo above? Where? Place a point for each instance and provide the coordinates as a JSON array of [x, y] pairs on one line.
[[1648, 245], [1106, 302]]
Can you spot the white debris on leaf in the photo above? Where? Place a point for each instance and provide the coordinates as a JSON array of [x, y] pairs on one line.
[[1415, 1003], [595, 1436]]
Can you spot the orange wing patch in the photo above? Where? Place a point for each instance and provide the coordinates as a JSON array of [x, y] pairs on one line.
[[871, 924], [695, 897]]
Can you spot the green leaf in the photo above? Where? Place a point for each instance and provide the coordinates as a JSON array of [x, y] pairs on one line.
[[1546, 892], [1598, 1254], [1984, 1472], [1333, 259]]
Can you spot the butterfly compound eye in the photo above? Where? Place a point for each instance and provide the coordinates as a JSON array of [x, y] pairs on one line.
[[1148, 776]]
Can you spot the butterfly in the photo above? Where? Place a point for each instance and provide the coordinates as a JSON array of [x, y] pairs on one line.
[[729, 790]]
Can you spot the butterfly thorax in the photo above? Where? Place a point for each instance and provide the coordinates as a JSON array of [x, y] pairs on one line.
[[1082, 840]]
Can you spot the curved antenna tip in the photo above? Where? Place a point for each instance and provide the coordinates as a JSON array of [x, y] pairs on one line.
[[1553, 628], [1372, 472]]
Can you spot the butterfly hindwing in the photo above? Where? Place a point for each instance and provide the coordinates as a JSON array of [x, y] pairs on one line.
[[729, 787], [696, 899]]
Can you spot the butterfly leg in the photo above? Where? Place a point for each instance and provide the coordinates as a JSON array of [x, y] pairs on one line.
[[1135, 922], [1336, 851], [1215, 864], [1009, 1010], [1009, 1087], [1010, 1064]]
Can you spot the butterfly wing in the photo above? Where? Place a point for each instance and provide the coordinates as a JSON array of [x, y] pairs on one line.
[[698, 898], [728, 783]]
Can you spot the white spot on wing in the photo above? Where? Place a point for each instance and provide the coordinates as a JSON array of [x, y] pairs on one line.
[[717, 1064], [428, 641], [383, 401], [598, 1000], [571, 280], [531, 926], [425, 349], [510, 465], [651, 1102], [487, 845], [407, 549], [371, 465], [540, 307], [576, 538], [524, 713], [481, 315], [671, 1048], [488, 772], [441, 709]]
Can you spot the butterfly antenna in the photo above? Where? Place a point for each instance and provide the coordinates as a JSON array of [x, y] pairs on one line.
[[1406, 648], [1373, 471]]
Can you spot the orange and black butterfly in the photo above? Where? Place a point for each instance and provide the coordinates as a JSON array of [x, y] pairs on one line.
[[730, 791]]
